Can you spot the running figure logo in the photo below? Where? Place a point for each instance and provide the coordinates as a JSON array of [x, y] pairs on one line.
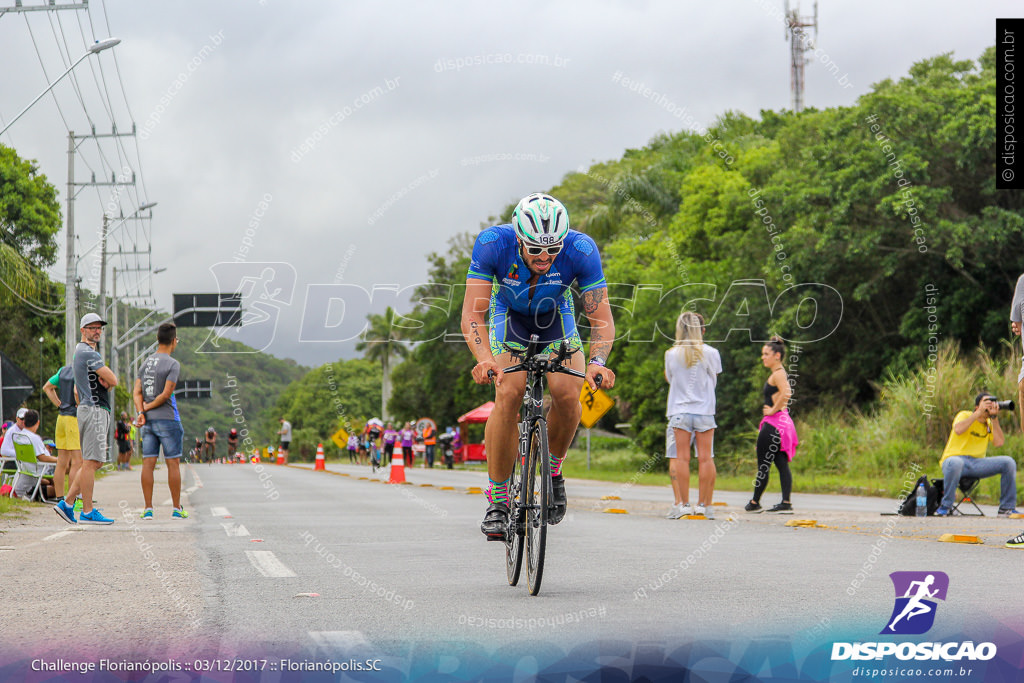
[[916, 594], [266, 289]]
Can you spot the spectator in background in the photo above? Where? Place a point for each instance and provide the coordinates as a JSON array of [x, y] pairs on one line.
[[390, 437], [122, 435], [286, 438], [408, 436], [24, 483], [776, 432], [430, 442], [353, 446], [60, 389], [691, 370], [7, 445]]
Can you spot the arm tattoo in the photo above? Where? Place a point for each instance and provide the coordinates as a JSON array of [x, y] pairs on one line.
[[599, 346], [592, 299]]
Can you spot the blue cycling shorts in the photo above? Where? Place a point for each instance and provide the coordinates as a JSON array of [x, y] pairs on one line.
[[551, 327]]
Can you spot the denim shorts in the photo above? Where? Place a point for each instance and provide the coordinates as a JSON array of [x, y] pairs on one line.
[[691, 422], [167, 433]]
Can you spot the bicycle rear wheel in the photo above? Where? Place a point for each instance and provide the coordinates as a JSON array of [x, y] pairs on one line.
[[516, 523], [538, 493]]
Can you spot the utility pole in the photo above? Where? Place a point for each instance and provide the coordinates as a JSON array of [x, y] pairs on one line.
[[799, 43], [71, 306], [48, 7]]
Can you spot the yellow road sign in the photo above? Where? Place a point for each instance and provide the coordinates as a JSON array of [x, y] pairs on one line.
[[340, 439], [595, 404]]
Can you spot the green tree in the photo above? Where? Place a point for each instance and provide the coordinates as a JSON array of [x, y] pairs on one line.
[[382, 340], [336, 395], [29, 211], [435, 380]]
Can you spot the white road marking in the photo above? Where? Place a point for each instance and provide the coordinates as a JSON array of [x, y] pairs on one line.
[[234, 529], [267, 564], [220, 512], [345, 641], [167, 502], [60, 534], [190, 490]]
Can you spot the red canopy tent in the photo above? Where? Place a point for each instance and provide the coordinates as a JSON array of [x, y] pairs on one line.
[[475, 451]]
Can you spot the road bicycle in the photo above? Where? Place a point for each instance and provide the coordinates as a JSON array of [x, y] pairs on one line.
[[530, 494]]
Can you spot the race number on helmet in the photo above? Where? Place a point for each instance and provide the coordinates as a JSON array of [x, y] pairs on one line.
[[540, 219]]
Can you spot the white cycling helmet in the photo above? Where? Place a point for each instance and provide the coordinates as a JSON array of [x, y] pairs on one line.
[[540, 219]]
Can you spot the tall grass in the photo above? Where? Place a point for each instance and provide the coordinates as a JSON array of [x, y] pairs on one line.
[[866, 452], [912, 419]]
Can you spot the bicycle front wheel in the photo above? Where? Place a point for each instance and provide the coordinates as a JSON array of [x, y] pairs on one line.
[[538, 494], [516, 522]]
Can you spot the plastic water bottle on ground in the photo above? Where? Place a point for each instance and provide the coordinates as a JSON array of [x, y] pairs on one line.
[[922, 501]]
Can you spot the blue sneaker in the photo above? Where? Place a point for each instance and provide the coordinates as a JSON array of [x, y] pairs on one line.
[[94, 517], [942, 512], [180, 513], [65, 512], [1007, 513], [147, 514]]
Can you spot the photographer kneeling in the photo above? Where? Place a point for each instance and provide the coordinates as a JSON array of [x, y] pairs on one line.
[[964, 455]]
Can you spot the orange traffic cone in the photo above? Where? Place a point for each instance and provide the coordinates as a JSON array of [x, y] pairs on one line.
[[280, 457], [397, 467], [320, 462]]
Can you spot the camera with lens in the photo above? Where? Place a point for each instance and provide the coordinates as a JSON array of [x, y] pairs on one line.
[[1003, 405]]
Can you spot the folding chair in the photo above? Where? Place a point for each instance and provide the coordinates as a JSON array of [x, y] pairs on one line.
[[967, 486], [8, 470], [28, 466]]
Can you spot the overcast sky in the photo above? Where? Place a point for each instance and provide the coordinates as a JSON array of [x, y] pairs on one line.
[[353, 138]]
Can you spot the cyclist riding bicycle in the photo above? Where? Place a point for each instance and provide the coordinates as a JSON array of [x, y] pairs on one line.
[[210, 444], [232, 442], [520, 276], [372, 432]]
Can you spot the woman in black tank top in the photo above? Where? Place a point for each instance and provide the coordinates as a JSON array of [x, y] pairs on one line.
[[776, 397]]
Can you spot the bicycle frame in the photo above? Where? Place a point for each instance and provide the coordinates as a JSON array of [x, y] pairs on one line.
[[528, 518]]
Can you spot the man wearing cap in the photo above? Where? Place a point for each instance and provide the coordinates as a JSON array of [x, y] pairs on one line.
[[60, 389], [93, 380], [7, 446], [25, 483]]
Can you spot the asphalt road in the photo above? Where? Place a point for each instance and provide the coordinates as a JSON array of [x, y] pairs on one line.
[[304, 564]]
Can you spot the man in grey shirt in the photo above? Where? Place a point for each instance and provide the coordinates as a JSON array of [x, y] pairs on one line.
[[93, 380], [159, 419]]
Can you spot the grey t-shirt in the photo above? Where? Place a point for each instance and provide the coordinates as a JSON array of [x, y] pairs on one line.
[[64, 380], [90, 392], [286, 431], [155, 373]]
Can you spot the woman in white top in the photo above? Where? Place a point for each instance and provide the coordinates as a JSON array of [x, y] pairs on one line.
[[691, 370]]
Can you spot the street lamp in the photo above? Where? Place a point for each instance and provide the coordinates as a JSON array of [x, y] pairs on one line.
[[98, 46], [70, 303]]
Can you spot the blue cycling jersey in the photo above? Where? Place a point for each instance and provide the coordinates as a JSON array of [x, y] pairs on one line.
[[496, 258]]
